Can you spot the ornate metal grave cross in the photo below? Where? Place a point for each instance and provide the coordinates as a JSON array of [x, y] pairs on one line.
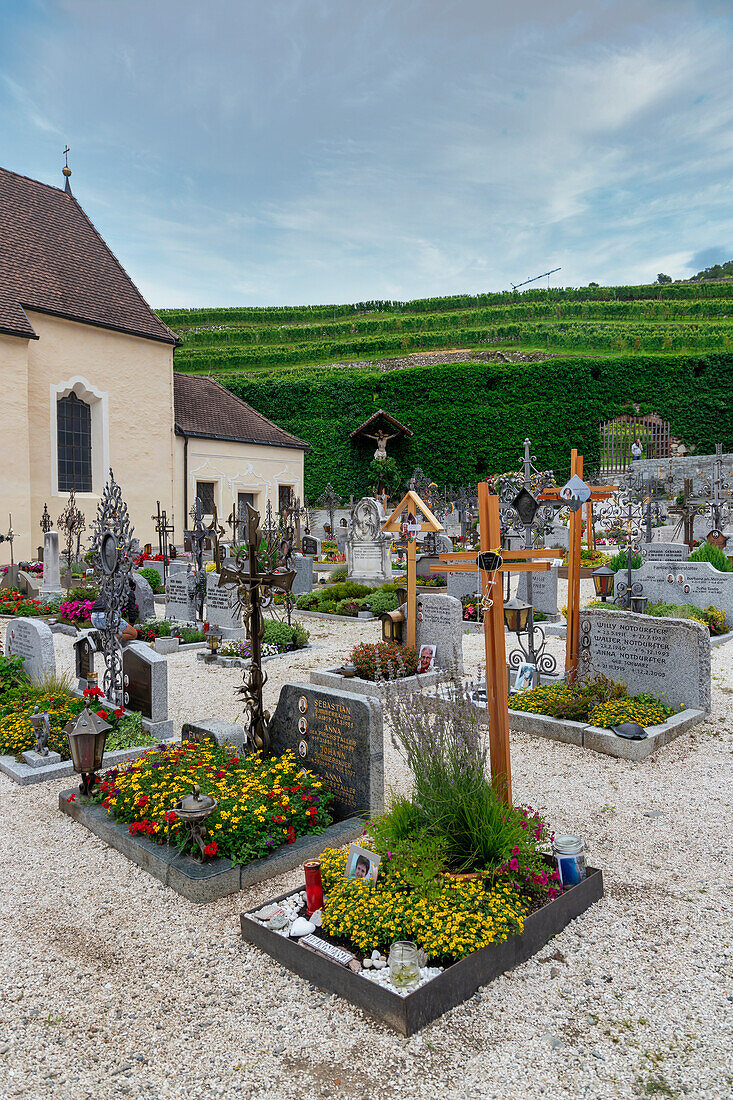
[[492, 560], [72, 522], [165, 532], [255, 588], [597, 492], [717, 501], [113, 549], [624, 512], [330, 500], [197, 535], [46, 523]]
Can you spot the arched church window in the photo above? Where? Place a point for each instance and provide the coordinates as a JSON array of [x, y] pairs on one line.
[[74, 434]]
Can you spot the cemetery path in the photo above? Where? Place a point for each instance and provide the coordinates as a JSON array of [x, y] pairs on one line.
[[101, 965]]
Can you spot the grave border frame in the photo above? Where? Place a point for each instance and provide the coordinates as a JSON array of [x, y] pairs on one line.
[[453, 987]]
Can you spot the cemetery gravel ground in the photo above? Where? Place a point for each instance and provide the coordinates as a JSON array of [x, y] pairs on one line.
[[111, 985]]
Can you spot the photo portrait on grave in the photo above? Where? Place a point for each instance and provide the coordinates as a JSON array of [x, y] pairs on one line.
[[362, 864], [302, 727], [566, 493], [426, 659], [524, 677], [302, 748], [302, 704], [419, 611]]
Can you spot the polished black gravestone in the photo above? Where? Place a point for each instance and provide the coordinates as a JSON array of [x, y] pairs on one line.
[[338, 735]]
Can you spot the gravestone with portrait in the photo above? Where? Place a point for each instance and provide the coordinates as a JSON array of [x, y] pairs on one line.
[[180, 601], [223, 610], [311, 546], [32, 640], [669, 658], [368, 556], [440, 623], [145, 679], [338, 736], [694, 582]]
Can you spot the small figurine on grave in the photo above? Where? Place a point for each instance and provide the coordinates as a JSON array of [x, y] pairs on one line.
[[42, 730]]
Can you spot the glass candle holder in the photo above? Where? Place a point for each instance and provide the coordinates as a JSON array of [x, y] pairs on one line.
[[404, 968], [313, 886]]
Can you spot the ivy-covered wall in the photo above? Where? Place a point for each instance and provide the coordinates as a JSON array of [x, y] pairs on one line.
[[470, 419]]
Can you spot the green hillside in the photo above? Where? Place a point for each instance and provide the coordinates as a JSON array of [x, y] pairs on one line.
[[551, 364]]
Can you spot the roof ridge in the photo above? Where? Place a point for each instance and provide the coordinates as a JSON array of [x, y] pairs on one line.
[[261, 416], [39, 183]]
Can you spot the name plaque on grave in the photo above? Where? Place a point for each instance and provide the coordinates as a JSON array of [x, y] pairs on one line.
[[664, 551], [310, 545], [338, 736], [138, 683]]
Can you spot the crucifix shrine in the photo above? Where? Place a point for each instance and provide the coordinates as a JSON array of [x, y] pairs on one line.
[[491, 561], [253, 589], [596, 492], [406, 519]]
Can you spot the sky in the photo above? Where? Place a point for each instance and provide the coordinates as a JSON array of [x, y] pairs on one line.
[[265, 152]]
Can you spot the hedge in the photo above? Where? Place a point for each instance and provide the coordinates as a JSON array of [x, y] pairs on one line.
[[469, 419]]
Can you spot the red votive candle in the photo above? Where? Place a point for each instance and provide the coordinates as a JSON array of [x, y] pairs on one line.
[[313, 886]]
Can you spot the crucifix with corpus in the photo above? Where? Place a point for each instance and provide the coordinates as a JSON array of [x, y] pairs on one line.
[[406, 520], [253, 589], [492, 562]]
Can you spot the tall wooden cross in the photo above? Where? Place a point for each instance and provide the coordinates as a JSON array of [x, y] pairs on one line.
[[413, 506], [498, 561], [597, 492]]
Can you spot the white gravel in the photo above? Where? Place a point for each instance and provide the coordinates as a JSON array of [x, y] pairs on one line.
[[111, 985]]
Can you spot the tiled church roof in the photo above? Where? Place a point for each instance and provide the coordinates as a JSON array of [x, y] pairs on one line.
[[205, 409], [53, 260]]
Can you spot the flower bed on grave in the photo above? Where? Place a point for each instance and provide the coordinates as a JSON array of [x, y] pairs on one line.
[[14, 603], [278, 638], [19, 698], [380, 661], [452, 870], [161, 628], [263, 803], [597, 700]]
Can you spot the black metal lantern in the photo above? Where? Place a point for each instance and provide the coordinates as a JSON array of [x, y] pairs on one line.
[[638, 603], [516, 615], [87, 736], [392, 626], [603, 581]]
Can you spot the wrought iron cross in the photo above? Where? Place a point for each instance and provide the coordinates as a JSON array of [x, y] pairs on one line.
[[72, 522], [255, 588], [46, 523], [198, 534], [163, 529], [330, 500]]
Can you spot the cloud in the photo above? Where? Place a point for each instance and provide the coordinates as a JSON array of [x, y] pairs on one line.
[[337, 149], [706, 257]]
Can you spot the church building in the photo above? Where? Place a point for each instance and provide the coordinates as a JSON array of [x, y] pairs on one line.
[[88, 384]]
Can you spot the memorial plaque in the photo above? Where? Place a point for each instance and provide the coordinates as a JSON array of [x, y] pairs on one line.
[[544, 589], [311, 546], [303, 582], [222, 608], [664, 551], [180, 604], [695, 582], [440, 623], [669, 658], [32, 640], [145, 676], [338, 736], [84, 650]]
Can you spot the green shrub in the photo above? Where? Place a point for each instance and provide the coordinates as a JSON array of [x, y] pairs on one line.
[[152, 576], [277, 633], [381, 601], [348, 607], [11, 673], [716, 557], [129, 734], [618, 561], [338, 575], [308, 601]]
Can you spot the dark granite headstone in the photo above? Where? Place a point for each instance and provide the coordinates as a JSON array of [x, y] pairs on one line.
[[84, 650], [339, 737], [138, 683], [311, 545]]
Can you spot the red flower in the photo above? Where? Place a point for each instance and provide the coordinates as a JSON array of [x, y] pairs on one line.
[[143, 800], [71, 798], [119, 712], [95, 693], [206, 630], [211, 849], [171, 816], [102, 714], [291, 835]]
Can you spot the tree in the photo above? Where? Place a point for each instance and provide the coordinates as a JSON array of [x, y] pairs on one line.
[[664, 278]]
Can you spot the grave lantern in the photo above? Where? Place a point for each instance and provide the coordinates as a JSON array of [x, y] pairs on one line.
[[638, 604], [392, 626], [603, 580], [516, 615], [87, 735]]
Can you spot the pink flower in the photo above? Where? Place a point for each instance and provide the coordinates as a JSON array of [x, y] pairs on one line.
[[513, 864]]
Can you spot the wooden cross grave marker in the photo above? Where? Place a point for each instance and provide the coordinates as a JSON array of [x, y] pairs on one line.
[[414, 506], [597, 492], [492, 604]]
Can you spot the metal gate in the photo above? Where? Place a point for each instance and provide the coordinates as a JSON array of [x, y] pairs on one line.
[[618, 435]]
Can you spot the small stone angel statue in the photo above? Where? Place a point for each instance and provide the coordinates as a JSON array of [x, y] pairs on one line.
[[42, 729]]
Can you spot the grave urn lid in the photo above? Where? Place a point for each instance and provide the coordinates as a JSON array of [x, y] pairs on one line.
[[195, 806]]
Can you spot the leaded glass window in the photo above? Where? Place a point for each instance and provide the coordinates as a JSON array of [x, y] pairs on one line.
[[74, 434]]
